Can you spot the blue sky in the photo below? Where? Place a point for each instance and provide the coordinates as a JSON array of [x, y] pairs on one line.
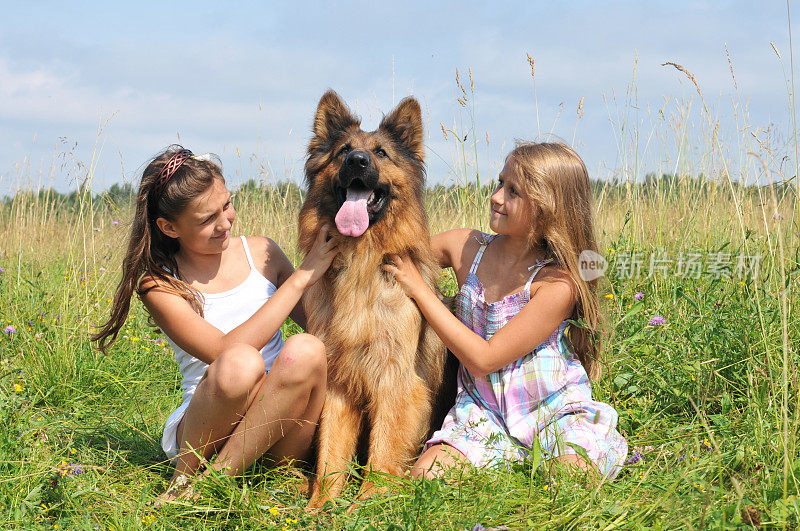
[[243, 79]]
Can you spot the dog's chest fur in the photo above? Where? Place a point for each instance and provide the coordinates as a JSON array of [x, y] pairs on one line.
[[377, 342]]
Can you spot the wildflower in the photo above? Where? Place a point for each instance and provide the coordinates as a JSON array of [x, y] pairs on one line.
[[2, 270], [634, 458], [75, 469], [18, 387], [610, 296], [9, 330], [291, 520], [656, 320], [638, 296], [114, 223], [72, 451], [273, 511]]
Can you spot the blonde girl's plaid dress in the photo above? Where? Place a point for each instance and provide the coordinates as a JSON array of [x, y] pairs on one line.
[[542, 398]]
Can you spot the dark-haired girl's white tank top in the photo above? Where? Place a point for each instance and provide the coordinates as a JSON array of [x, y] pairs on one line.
[[225, 311]]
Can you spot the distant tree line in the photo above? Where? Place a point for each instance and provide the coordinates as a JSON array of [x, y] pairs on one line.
[[116, 196], [122, 195]]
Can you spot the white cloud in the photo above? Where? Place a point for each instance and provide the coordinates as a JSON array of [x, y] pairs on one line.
[[224, 79]]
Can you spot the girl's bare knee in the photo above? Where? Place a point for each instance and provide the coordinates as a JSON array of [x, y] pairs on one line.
[[302, 360], [435, 460], [234, 373], [418, 472]]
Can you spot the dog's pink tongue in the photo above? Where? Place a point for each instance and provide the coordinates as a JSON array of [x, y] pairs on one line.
[[353, 219]]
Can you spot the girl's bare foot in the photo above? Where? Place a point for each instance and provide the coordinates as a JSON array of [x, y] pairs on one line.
[[179, 489]]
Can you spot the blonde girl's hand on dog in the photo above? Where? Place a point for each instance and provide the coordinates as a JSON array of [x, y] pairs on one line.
[[549, 306], [407, 275], [318, 259]]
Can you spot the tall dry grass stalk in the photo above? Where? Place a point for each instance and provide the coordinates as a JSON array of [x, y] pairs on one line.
[[682, 183]]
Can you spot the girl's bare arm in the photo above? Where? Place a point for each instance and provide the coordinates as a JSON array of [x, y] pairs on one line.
[[204, 341], [549, 305], [280, 269], [455, 248]]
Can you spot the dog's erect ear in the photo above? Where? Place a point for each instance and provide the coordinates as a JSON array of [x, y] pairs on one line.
[[332, 116], [404, 124]]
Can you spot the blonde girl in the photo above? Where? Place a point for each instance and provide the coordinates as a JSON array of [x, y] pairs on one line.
[[526, 326]]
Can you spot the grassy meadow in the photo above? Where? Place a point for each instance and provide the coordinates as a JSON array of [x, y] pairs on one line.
[[707, 395]]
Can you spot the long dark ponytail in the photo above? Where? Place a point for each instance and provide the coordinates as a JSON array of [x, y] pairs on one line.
[[150, 252]]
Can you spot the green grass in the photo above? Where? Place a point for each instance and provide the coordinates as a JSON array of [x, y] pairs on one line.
[[709, 400], [701, 397]]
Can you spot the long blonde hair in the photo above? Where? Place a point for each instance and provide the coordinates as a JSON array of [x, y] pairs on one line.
[[554, 179]]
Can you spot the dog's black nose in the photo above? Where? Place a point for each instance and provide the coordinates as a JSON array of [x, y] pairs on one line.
[[357, 159]]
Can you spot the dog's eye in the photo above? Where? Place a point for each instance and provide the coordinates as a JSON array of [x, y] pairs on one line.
[[380, 152], [345, 149]]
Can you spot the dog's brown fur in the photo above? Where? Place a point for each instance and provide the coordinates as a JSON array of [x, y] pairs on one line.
[[384, 361]]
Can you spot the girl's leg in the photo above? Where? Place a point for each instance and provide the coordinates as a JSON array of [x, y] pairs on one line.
[[282, 414], [220, 400], [436, 460]]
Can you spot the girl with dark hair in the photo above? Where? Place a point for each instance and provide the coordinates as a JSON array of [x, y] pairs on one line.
[[221, 302]]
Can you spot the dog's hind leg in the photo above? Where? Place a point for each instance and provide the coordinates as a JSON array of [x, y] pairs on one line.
[[338, 435]]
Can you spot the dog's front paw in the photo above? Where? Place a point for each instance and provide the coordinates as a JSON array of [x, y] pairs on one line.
[[318, 498]]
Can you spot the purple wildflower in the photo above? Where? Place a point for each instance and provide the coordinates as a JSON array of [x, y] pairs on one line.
[[634, 458], [9, 330], [114, 223], [75, 469], [656, 320], [2, 270], [639, 296]]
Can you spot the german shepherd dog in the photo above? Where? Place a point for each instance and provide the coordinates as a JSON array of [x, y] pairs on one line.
[[385, 363]]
